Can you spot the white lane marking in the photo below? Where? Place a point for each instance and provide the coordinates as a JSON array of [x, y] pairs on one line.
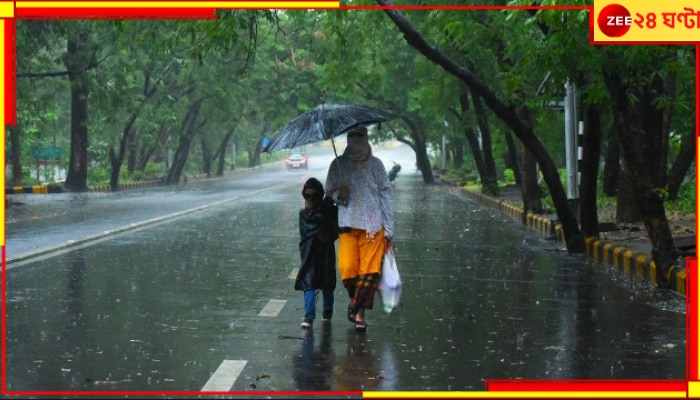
[[272, 308], [294, 273], [225, 376]]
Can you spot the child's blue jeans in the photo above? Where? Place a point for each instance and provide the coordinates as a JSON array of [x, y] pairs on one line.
[[310, 303]]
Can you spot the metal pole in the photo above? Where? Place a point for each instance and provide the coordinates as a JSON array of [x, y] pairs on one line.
[[444, 146], [571, 147], [570, 142]]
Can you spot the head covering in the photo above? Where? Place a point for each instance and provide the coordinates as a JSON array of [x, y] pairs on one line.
[[358, 150], [313, 183]]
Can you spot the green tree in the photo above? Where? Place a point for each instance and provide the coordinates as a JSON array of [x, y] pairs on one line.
[[574, 240], [388, 75], [639, 85]]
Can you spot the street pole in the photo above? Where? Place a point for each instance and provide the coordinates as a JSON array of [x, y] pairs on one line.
[[444, 156], [571, 135]]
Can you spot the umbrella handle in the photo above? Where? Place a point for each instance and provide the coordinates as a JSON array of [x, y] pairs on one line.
[[340, 170]]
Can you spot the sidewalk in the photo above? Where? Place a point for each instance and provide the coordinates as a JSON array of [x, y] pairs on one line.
[[630, 255]]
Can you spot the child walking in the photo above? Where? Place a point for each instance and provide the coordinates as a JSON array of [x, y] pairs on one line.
[[318, 232]]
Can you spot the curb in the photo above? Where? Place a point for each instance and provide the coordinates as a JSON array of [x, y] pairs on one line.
[[37, 189], [602, 252], [132, 185]]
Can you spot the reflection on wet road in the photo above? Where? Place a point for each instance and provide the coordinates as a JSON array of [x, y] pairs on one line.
[[165, 308]]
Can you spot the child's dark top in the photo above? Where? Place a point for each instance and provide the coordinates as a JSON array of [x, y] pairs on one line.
[[318, 231]]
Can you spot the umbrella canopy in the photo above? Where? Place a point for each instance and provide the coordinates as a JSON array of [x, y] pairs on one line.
[[324, 122]]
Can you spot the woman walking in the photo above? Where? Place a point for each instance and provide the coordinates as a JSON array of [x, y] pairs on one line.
[[358, 182]]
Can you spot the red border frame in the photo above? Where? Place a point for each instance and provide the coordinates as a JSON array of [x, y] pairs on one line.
[[509, 386]]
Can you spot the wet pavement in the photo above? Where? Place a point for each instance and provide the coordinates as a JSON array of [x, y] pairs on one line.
[[205, 301]]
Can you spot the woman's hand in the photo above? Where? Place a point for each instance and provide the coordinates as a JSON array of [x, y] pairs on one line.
[[343, 193]]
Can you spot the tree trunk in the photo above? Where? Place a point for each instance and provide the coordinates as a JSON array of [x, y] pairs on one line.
[[421, 150], [627, 210], [223, 145], [206, 158], [569, 223], [132, 157], [255, 159], [16, 158], [489, 180], [469, 133], [458, 149], [117, 159], [233, 162], [655, 144], [531, 191], [512, 158], [680, 166], [611, 170], [76, 178], [635, 164], [647, 121], [79, 57], [589, 170], [187, 132]]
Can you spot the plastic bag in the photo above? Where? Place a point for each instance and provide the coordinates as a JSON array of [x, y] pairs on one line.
[[390, 281]]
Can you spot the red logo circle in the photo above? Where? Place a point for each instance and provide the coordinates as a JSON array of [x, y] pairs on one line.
[[614, 20]]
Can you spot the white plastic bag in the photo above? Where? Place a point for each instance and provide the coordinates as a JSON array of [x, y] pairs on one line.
[[390, 281]]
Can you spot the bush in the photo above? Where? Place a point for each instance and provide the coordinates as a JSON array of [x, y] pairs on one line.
[[153, 171], [508, 177], [97, 176]]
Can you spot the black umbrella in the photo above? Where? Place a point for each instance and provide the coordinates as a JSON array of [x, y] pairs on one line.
[[324, 122]]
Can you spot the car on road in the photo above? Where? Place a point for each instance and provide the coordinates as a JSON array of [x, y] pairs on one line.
[[297, 160]]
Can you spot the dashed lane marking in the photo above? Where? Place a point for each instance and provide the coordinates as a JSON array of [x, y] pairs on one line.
[[225, 376], [272, 308]]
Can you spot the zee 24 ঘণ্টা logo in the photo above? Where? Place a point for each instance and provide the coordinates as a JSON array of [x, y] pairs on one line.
[[668, 21], [614, 20]]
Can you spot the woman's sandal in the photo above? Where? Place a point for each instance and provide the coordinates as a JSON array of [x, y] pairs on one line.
[[360, 326], [351, 314]]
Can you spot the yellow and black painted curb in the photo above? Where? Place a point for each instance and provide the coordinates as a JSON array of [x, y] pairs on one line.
[[602, 252], [132, 185], [37, 189], [631, 261]]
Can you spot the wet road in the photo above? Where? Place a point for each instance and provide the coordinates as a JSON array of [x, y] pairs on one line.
[[205, 301]]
